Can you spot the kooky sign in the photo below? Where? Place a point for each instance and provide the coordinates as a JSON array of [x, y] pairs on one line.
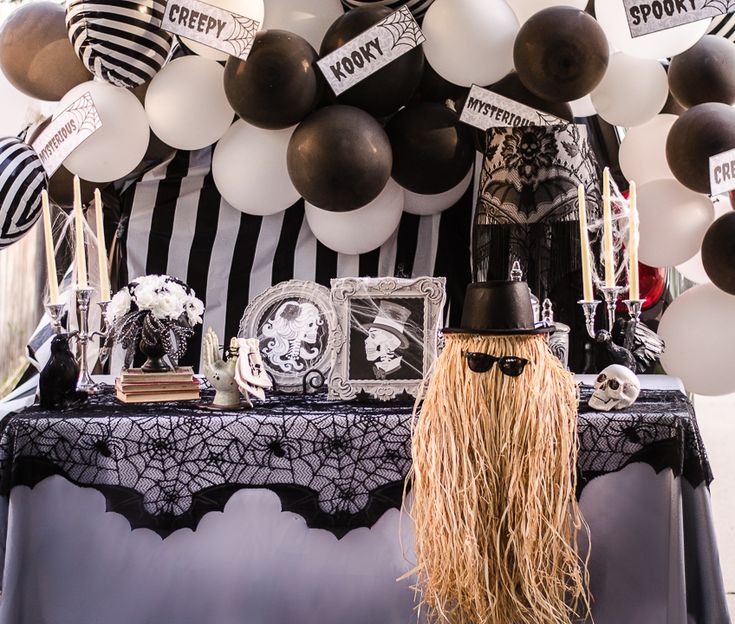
[[66, 131], [649, 16], [371, 50], [217, 28]]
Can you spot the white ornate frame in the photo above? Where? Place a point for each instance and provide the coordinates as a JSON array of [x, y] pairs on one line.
[[311, 291], [431, 289]]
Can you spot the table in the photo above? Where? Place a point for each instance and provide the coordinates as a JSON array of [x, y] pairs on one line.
[[290, 513]]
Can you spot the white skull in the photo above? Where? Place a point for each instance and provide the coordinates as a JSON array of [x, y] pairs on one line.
[[616, 387]]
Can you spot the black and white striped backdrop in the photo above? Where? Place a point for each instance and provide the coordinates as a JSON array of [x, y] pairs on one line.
[[418, 7], [119, 41], [175, 222], [22, 178]]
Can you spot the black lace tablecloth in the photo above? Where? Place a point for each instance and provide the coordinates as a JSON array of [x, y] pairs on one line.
[[339, 465]]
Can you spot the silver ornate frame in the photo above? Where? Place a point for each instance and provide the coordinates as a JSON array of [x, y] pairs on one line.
[[431, 289], [311, 291]]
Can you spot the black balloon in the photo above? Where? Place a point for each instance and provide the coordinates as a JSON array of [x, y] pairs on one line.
[[278, 85], [704, 73], [432, 149], [512, 88], [435, 88], [718, 253], [339, 158], [391, 87], [561, 54], [703, 131]]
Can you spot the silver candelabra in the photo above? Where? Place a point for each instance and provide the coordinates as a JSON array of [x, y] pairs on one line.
[[82, 298], [610, 297]]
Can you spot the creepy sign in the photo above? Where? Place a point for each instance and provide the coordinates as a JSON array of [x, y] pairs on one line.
[[67, 131], [722, 172], [485, 109], [649, 16], [371, 50], [217, 28]]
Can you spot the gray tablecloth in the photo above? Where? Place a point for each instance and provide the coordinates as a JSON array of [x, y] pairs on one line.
[[289, 514]]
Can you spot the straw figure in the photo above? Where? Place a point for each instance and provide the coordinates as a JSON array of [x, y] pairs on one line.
[[494, 472]]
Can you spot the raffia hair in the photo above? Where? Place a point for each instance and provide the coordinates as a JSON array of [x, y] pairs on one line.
[[493, 489]]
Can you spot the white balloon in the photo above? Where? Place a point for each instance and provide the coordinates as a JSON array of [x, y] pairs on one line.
[[643, 151], [658, 45], [249, 8], [309, 19], [673, 221], [186, 103], [426, 205], [470, 41], [249, 169], [697, 329], [362, 230], [116, 148], [526, 8], [583, 107], [693, 269], [632, 91]]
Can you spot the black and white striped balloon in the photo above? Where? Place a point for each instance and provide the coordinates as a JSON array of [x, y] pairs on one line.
[[22, 178], [122, 41], [418, 7]]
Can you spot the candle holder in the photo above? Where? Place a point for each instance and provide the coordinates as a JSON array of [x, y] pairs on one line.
[[611, 294], [55, 311], [590, 309], [635, 307], [104, 331], [85, 382]]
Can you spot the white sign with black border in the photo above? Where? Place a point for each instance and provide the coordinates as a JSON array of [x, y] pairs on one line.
[[650, 16], [212, 26], [371, 50], [722, 172], [67, 131], [485, 109]]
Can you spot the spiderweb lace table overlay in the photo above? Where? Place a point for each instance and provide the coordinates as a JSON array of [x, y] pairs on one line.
[[339, 465]]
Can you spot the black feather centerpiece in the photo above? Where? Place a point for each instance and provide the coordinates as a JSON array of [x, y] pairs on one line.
[[58, 379]]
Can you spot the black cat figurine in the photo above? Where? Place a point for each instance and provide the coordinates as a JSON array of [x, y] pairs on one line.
[[58, 380]]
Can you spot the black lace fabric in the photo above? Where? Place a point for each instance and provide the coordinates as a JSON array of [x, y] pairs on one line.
[[339, 465]]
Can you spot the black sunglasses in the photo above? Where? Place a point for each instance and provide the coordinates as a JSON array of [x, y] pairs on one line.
[[483, 362]]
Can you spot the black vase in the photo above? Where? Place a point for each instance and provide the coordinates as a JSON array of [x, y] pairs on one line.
[[151, 345]]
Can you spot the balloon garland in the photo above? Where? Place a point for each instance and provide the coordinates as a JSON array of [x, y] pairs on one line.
[[341, 157]]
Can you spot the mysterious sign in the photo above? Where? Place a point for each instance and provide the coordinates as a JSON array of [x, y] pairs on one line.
[[649, 16], [722, 172], [67, 131], [217, 28], [371, 50], [485, 109]]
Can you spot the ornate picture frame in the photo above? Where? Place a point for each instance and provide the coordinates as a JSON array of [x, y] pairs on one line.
[[294, 322], [387, 334]]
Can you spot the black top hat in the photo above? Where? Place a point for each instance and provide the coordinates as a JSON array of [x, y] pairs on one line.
[[499, 307]]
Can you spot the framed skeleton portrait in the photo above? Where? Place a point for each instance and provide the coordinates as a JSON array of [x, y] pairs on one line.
[[386, 336], [293, 322]]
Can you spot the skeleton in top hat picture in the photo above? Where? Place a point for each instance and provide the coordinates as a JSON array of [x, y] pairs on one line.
[[386, 339], [493, 481]]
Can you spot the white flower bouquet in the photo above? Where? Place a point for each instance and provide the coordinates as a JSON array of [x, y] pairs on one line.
[[156, 313]]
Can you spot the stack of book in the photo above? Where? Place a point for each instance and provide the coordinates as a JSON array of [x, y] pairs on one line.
[[135, 386]]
